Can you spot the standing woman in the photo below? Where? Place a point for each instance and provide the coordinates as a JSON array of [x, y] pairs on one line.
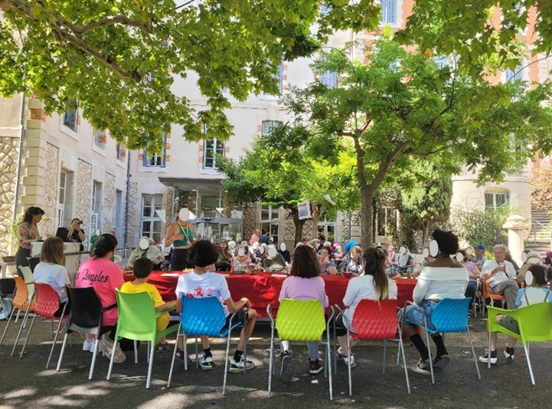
[[181, 236], [27, 232], [76, 233]]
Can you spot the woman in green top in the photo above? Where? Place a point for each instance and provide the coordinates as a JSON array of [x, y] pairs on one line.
[[181, 236]]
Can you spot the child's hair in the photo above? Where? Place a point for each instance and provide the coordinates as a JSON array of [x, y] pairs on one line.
[[540, 274], [106, 243], [375, 266], [305, 263], [203, 253], [52, 251], [142, 267], [447, 241]]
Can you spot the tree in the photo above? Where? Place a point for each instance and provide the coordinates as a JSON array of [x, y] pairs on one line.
[[119, 58], [541, 188], [476, 225], [400, 104], [465, 28]]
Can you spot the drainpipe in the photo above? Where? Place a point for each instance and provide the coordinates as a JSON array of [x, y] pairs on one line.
[[19, 159], [127, 200]]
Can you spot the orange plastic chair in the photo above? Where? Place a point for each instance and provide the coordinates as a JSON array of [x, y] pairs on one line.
[[20, 303], [491, 296]]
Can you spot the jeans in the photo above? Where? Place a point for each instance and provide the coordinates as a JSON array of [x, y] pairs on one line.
[[311, 345]]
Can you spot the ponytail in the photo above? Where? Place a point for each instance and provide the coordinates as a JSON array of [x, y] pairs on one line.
[[106, 243], [375, 266]]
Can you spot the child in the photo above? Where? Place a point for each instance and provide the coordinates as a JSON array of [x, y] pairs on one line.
[[142, 270], [203, 283], [536, 293], [305, 284], [51, 271]]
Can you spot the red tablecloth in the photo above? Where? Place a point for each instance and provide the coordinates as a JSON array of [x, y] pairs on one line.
[[263, 289]]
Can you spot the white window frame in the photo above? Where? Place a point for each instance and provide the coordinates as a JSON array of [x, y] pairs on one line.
[[385, 6], [157, 160], [494, 192], [62, 195], [153, 218], [71, 118], [217, 145], [268, 125]]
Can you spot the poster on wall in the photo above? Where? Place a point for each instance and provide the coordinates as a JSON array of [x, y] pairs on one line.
[[304, 210]]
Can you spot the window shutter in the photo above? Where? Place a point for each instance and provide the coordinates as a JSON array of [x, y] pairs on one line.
[[392, 13], [281, 77]]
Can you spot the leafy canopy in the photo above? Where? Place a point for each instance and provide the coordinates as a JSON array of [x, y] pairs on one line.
[[119, 58]]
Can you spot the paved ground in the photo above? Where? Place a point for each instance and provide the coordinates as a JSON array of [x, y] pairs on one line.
[[25, 383]]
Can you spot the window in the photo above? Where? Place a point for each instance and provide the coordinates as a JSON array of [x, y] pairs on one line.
[[387, 220], [325, 10], [268, 126], [328, 78], [121, 151], [496, 197], [270, 222], [61, 198], [212, 148], [280, 78], [441, 62], [388, 11], [156, 160], [96, 206], [70, 116], [150, 222], [516, 75], [100, 139]]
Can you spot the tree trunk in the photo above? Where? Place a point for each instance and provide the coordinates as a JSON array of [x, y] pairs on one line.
[[366, 231], [298, 226], [316, 216], [425, 234]]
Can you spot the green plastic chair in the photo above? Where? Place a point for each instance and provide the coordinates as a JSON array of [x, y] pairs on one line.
[[535, 325], [138, 321], [300, 321]]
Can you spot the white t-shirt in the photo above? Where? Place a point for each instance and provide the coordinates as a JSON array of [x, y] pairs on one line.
[[54, 275], [490, 265], [205, 285], [362, 288], [534, 295]]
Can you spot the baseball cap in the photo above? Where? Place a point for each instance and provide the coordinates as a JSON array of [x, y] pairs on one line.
[[480, 247]]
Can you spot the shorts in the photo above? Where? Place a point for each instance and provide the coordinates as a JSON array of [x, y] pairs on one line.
[[241, 317], [509, 323], [414, 316]]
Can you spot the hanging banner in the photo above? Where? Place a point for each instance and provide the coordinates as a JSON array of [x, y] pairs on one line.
[[304, 210]]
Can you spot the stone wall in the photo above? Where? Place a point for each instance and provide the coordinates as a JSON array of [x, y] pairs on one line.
[[9, 155], [108, 203], [133, 208], [51, 188], [83, 199], [249, 225]]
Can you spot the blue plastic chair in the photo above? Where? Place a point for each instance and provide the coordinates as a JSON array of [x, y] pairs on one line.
[[450, 315], [205, 317]]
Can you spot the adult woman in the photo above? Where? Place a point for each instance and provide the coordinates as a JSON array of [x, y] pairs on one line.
[[51, 271], [225, 260], [305, 284], [273, 260], [405, 262], [242, 259], [352, 262], [285, 252], [181, 236], [327, 265], [473, 273], [443, 278], [152, 252], [76, 233], [27, 232], [104, 276], [255, 237], [373, 285]]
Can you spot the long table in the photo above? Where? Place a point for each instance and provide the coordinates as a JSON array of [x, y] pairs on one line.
[[263, 289]]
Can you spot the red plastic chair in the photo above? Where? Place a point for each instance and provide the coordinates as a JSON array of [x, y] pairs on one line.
[[47, 303], [375, 320], [20, 303]]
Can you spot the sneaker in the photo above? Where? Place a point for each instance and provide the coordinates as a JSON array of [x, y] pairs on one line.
[[106, 347], [236, 367], [350, 359], [485, 359], [423, 365], [88, 345], [285, 369], [206, 362], [315, 367], [340, 354], [509, 353]]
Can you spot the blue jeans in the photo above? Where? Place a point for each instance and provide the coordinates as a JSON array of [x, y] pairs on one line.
[[414, 316]]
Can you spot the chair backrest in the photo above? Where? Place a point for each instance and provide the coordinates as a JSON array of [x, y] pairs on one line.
[[535, 322], [376, 320], [86, 307], [47, 300], [27, 273], [487, 294], [137, 318], [21, 293], [300, 320], [202, 316], [451, 315]]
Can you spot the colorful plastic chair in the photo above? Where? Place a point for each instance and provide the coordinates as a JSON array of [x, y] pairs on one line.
[[138, 321], [491, 296], [450, 315], [535, 325], [47, 303], [85, 317], [374, 320], [205, 317], [300, 321], [21, 304]]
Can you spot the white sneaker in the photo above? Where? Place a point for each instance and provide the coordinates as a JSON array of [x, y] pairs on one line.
[[107, 348], [350, 358], [88, 345], [236, 367]]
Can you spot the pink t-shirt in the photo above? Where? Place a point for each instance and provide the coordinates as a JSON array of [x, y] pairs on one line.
[[105, 276], [301, 289]]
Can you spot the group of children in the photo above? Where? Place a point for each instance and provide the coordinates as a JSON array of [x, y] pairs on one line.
[[304, 283]]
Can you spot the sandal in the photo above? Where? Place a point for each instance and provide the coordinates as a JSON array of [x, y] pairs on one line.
[[180, 355], [441, 361], [163, 347]]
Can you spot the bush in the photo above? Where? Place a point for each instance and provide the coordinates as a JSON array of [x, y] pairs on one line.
[[541, 189], [481, 226]]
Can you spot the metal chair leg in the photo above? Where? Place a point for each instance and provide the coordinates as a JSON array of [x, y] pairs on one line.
[[27, 337], [226, 362], [21, 326], [349, 363], [328, 359], [384, 353], [8, 324], [473, 353], [271, 363], [63, 344], [56, 335], [173, 358], [527, 352], [401, 347], [112, 359], [150, 366], [95, 356]]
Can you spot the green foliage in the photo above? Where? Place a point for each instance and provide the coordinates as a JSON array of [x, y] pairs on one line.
[[541, 188], [102, 51], [481, 226]]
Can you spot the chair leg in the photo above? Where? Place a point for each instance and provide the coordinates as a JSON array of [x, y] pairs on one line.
[[196, 353], [329, 361], [21, 326], [135, 351], [429, 353], [148, 353], [489, 350], [384, 353], [335, 348], [401, 348], [112, 358], [150, 366], [349, 364], [27, 337], [473, 353], [56, 337], [95, 356], [244, 350], [271, 363], [226, 363], [173, 358], [8, 324], [63, 344], [527, 351]]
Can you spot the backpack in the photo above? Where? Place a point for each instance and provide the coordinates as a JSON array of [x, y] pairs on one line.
[[5, 308]]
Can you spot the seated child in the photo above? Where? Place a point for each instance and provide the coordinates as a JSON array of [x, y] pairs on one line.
[[536, 293], [203, 283], [142, 270], [51, 271]]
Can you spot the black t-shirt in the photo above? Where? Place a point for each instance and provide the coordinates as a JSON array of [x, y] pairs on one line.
[[75, 238]]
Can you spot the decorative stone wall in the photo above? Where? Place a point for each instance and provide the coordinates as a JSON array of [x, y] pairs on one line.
[[9, 155], [355, 227], [108, 203], [133, 213], [83, 199], [51, 189], [249, 225], [169, 206]]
